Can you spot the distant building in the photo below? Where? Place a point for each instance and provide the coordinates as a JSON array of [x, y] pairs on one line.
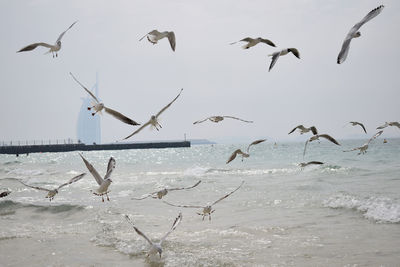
[[88, 128]]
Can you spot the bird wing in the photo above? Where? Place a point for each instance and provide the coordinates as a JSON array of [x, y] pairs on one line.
[[200, 121], [375, 136], [172, 40], [183, 188], [227, 195], [255, 143], [35, 187], [372, 14], [314, 130], [345, 49], [231, 117], [138, 130], [142, 197], [110, 168], [247, 39], [305, 147], [330, 138], [174, 225], [275, 57], [120, 116], [137, 230], [167, 106], [383, 126], [268, 42], [356, 148], [362, 126], [87, 90], [183, 206], [294, 52], [62, 34], [233, 156], [315, 162], [298, 127], [73, 180], [33, 46], [92, 170], [395, 123]]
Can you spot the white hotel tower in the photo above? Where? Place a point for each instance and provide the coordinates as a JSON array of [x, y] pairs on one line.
[[88, 128]]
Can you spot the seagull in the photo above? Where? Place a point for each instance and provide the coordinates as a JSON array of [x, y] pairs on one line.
[[354, 123], [207, 210], [161, 193], [98, 107], [283, 52], [354, 33], [393, 123], [5, 193], [103, 183], [304, 164], [254, 41], [156, 247], [305, 130], [255, 143], [155, 35], [51, 193], [154, 118], [53, 48], [363, 148], [316, 137], [243, 154], [217, 119]]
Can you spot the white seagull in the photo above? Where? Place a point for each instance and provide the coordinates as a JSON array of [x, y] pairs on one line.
[[155, 35], [283, 52], [103, 183], [53, 48], [98, 107], [355, 123], [154, 118], [303, 129], [254, 41], [393, 123], [156, 247], [243, 154], [161, 193], [354, 33], [207, 210], [316, 137], [217, 119], [363, 148], [51, 193]]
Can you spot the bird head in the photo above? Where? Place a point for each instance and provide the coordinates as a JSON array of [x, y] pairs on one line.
[[59, 43], [357, 34]]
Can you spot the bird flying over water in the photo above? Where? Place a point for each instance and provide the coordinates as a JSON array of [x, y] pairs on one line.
[[156, 247], [98, 107], [217, 119], [355, 123], [283, 52], [53, 48], [103, 183], [393, 123], [207, 210], [161, 193], [316, 137], [51, 193], [243, 154], [254, 41], [154, 118], [155, 35], [303, 129], [354, 33], [363, 148]]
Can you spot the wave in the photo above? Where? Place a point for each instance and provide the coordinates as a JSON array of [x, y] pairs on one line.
[[379, 209], [12, 162], [8, 207]]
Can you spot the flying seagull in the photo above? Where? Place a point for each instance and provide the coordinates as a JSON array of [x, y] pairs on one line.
[[53, 48], [105, 182], [354, 33], [156, 247], [316, 137], [355, 123], [304, 129], [244, 154], [255, 143], [207, 210], [283, 52], [254, 41], [51, 193], [161, 193], [393, 123], [363, 148], [155, 35], [98, 107], [305, 164], [154, 118], [217, 119]]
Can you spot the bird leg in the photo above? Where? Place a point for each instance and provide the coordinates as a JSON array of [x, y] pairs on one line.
[[102, 198], [107, 197]]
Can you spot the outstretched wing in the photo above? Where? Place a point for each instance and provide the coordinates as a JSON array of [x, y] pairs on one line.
[[247, 39], [92, 170], [275, 57], [375, 136], [171, 39], [298, 127], [87, 90], [345, 49], [138, 130], [294, 52], [137, 230], [174, 225], [167, 106], [231, 117], [383, 126], [305, 147], [268, 42], [372, 14], [184, 188], [62, 34], [200, 121], [142, 197], [120, 116], [110, 168], [233, 156], [330, 138], [73, 180], [33, 46], [314, 130], [35, 187], [183, 206], [255, 143], [227, 195]]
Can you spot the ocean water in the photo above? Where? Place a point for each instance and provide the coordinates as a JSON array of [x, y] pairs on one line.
[[343, 213]]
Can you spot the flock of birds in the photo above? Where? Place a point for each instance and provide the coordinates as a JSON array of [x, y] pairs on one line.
[[153, 37]]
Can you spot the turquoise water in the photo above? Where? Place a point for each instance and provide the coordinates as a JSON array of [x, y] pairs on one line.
[[345, 212]]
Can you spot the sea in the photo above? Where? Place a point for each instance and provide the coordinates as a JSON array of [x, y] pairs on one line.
[[345, 212]]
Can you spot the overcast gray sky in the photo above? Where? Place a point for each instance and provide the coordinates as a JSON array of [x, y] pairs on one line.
[[39, 100]]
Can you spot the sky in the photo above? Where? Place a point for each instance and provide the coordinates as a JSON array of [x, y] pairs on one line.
[[39, 100]]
